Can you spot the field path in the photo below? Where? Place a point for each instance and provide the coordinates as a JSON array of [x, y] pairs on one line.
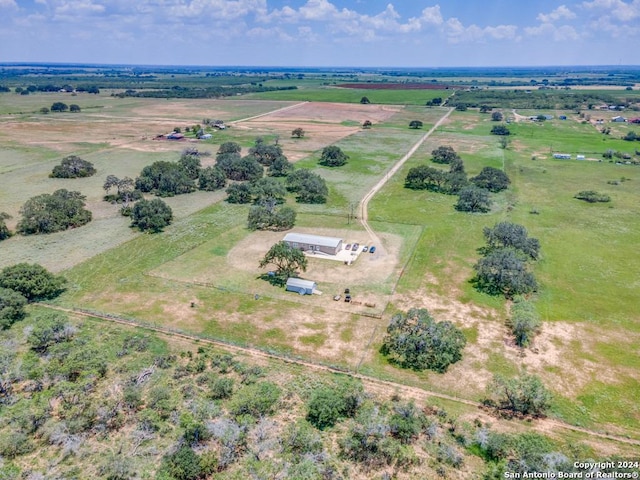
[[380, 387], [364, 204], [290, 107]]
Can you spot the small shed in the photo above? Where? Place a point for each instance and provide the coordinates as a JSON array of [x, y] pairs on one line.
[[298, 285], [618, 119], [562, 156], [206, 136]]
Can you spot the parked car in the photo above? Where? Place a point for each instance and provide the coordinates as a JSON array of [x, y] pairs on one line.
[[355, 247], [348, 247], [372, 249], [365, 249]]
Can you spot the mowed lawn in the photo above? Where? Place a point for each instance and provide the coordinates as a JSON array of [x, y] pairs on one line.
[[588, 272]]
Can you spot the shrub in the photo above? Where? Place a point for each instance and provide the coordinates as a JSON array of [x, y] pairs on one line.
[[524, 395], [592, 196], [415, 124], [183, 464], [12, 306], [151, 215], [4, 230], [257, 400], [500, 130], [297, 133], [300, 439], [73, 167], [48, 330], [48, 213], [32, 281], [524, 321], [406, 422], [15, 444], [221, 388], [415, 340], [329, 404]]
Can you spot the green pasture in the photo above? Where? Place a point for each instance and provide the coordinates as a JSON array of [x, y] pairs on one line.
[[352, 95]]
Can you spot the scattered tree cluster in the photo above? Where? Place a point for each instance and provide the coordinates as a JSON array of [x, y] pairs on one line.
[[125, 190], [473, 194], [48, 213], [165, 179], [415, 340], [504, 268], [73, 167]]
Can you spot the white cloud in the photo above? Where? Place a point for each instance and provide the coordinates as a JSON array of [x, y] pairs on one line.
[[617, 9], [432, 15], [221, 9], [8, 4], [550, 31], [456, 32], [559, 13]]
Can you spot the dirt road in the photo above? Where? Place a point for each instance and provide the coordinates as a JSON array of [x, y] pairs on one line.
[[364, 204]]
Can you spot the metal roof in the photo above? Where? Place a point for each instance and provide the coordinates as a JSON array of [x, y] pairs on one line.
[[312, 239], [298, 282]]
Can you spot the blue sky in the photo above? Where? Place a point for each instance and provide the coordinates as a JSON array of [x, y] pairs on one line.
[[411, 33]]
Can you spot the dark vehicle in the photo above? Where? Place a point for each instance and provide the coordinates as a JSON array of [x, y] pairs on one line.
[[355, 247], [346, 290], [365, 249], [347, 298], [348, 247], [372, 249]]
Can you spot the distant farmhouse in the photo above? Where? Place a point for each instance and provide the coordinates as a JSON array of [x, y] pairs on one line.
[[314, 243]]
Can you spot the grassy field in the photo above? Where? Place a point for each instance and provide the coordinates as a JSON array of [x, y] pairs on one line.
[[587, 271], [353, 95]]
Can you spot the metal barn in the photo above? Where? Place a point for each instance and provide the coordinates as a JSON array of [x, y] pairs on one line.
[[314, 243], [298, 285]]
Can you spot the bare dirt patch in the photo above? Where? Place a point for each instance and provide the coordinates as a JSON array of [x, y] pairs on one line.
[[324, 124]]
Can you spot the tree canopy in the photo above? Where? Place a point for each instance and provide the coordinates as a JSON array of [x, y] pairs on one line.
[[268, 216], [4, 230], [333, 156], [492, 179], [59, 107], [298, 133], [511, 235], [266, 154], [415, 340], [73, 167], [286, 259], [500, 130], [523, 395], [444, 154], [211, 178], [165, 179], [473, 199], [503, 272], [12, 305], [151, 215], [239, 168], [309, 187], [48, 213], [32, 281]]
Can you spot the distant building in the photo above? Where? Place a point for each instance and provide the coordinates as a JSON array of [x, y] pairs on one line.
[[618, 119], [298, 285], [206, 136], [580, 157], [175, 136], [562, 156], [313, 243]]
